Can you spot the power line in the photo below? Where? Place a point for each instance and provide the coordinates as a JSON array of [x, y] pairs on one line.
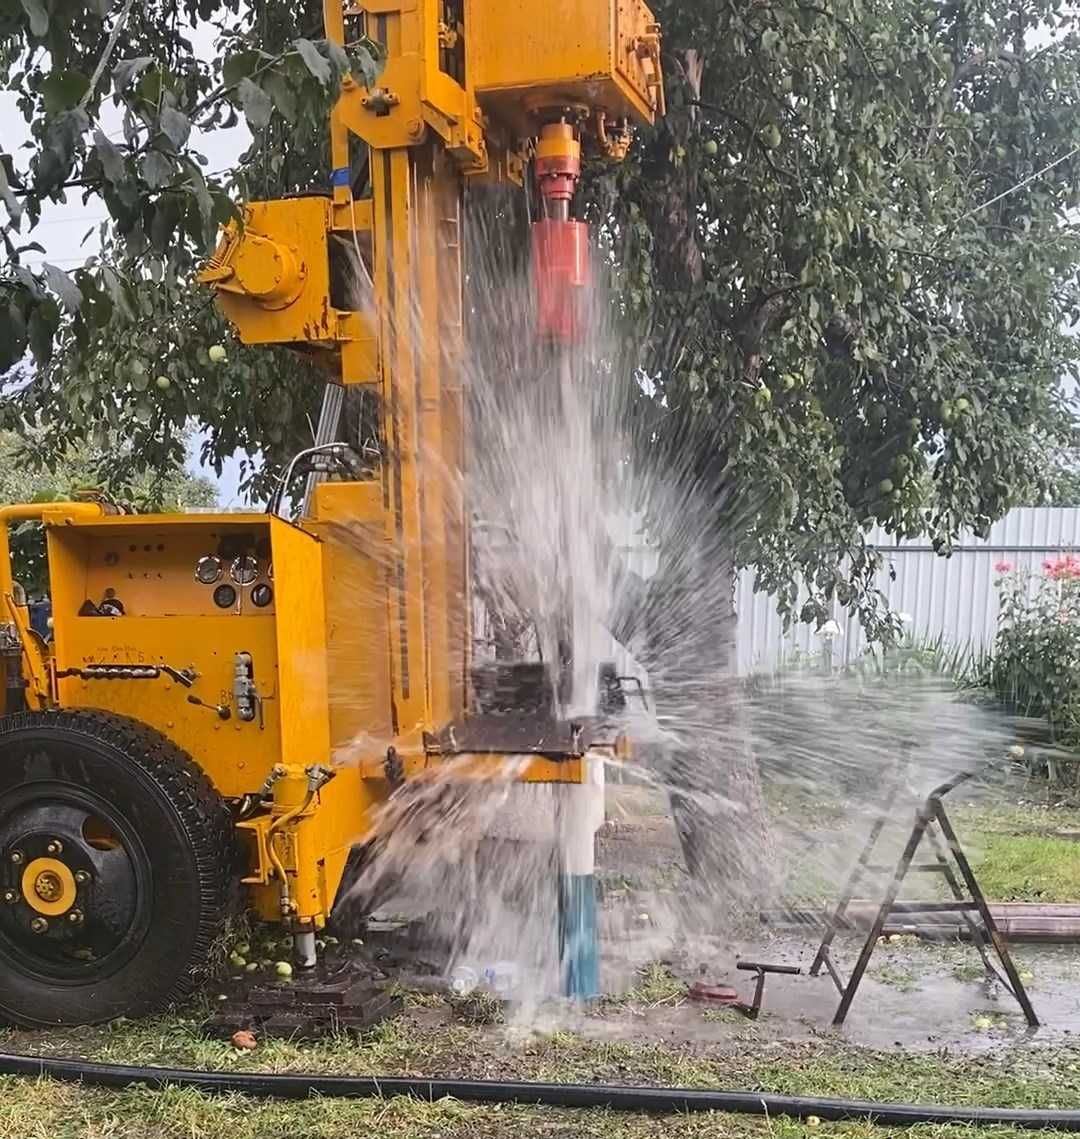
[[1019, 186], [59, 262], [70, 219]]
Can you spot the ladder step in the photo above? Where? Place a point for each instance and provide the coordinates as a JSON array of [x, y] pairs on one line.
[[931, 907], [920, 867]]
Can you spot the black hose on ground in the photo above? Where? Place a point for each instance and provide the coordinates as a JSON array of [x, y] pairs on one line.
[[299, 1085]]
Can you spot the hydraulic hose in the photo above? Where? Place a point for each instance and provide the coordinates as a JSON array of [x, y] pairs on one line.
[[299, 1085]]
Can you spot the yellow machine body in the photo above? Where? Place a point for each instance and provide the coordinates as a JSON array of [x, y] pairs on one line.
[[361, 655], [601, 56]]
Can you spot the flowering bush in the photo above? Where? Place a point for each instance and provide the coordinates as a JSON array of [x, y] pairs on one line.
[[1035, 666]]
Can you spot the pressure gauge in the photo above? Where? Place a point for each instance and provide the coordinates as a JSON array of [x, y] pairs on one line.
[[244, 570], [262, 595], [208, 570], [225, 596]]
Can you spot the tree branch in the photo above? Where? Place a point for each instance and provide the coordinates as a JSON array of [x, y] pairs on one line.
[[849, 32], [754, 324], [106, 55], [961, 72], [751, 137]]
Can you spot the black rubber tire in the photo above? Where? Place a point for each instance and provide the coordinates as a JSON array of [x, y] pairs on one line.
[[187, 835]]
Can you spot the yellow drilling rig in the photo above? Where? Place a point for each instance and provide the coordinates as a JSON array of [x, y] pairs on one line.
[[179, 730]]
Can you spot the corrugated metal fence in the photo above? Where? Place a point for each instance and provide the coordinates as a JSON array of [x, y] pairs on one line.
[[954, 597]]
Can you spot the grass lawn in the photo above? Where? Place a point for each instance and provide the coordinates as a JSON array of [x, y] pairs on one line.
[[1030, 868], [1025, 854], [1022, 854], [425, 1044]]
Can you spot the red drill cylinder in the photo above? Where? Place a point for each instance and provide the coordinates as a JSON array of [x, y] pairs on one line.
[[560, 253]]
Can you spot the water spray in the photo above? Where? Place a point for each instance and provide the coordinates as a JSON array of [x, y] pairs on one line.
[[560, 250]]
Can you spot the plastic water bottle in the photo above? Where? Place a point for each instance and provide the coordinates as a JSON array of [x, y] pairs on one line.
[[499, 979], [463, 980]]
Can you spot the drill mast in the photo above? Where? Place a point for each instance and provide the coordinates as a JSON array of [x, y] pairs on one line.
[[475, 90]]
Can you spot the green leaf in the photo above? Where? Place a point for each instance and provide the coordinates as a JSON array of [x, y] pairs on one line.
[[11, 202], [63, 143], [117, 291], [175, 126], [28, 282], [338, 56], [167, 214], [225, 209], [256, 104], [366, 62], [44, 322], [63, 286], [111, 158], [202, 193], [281, 92], [152, 86], [156, 169], [240, 66], [12, 336], [314, 60], [127, 70], [38, 15], [62, 90]]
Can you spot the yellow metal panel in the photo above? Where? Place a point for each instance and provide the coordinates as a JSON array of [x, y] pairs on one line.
[[439, 333], [354, 215], [402, 122], [523, 769], [402, 466], [637, 54], [234, 754], [517, 62], [435, 494], [299, 227], [485, 768], [115, 524], [170, 619], [301, 641], [273, 276], [150, 569], [315, 849], [334, 27], [412, 93], [35, 659], [349, 519], [348, 502]]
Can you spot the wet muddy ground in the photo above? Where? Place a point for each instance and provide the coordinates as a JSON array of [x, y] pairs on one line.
[[920, 996], [916, 995], [923, 1029]]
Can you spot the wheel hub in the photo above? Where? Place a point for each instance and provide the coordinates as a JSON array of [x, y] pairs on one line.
[[48, 886], [69, 875]]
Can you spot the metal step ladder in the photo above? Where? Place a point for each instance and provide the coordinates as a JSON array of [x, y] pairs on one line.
[[932, 825]]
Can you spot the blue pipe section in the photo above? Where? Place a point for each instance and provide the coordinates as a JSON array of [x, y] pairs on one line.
[[578, 940]]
